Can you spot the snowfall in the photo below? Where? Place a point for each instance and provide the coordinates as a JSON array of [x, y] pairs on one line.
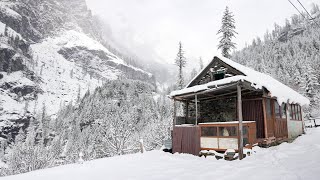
[[297, 160]]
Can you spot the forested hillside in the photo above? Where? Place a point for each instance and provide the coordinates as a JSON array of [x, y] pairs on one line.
[[291, 54], [64, 90], [109, 121]]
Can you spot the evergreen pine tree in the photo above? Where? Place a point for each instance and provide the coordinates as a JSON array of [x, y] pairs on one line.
[[180, 61], [227, 32]]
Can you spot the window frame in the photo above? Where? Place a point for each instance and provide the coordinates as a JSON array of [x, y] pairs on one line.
[[283, 110], [268, 108], [295, 114], [277, 110]]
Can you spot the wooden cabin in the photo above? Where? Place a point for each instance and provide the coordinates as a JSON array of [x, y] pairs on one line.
[[225, 92]]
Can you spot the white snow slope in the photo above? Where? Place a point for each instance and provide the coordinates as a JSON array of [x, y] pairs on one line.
[[297, 160]]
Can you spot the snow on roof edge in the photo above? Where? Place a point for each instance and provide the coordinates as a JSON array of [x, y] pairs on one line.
[[277, 89]]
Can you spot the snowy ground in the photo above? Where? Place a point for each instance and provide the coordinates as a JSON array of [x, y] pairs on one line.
[[297, 160]]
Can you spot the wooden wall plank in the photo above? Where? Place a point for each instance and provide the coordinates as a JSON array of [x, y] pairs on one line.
[[253, 111], [186, 140]]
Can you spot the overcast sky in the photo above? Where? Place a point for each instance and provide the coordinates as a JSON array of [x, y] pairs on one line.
[[153, 28]]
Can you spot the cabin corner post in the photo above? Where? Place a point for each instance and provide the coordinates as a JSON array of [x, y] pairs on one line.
[[240, 134]]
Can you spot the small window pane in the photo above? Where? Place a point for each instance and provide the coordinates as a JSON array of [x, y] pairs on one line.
[[298, 113], [268, 108], [245, 130], [227, 131], [245, 141], [283, 110], [209, 131], [277, 109], [290, 112], [295, 112]]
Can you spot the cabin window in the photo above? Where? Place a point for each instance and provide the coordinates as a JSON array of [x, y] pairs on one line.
[[245, 141], [209, 131], [283, 110], [245, 131], [299, 111], [268, 109], [227, 131], [219, 75], [290, 112], [295, 112], [277, 109]]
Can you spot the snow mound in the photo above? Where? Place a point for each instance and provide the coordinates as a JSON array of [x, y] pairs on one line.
[[294, 161]]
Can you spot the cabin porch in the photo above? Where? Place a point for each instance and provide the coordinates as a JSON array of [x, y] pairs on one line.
[[209, 120]]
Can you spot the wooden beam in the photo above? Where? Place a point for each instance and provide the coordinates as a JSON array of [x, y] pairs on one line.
[[240, 134], [223, 96]]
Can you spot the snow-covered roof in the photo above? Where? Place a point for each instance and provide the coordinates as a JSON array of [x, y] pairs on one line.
[[258, 81]]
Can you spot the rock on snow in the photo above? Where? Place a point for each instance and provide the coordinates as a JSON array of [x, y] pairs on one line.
[[297, 160]]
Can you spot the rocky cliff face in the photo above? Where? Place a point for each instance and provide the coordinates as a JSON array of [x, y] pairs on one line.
[[50, 55]]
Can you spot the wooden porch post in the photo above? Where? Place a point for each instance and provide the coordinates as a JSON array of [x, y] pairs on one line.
[[196, 99], [265, 118], [240, 145]]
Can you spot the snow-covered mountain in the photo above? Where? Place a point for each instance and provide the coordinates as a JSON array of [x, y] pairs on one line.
[[51, 53]]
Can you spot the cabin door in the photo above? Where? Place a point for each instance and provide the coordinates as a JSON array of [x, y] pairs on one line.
[[270, 118]]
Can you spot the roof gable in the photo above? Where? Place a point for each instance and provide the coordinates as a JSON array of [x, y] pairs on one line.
[[207, 74]]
